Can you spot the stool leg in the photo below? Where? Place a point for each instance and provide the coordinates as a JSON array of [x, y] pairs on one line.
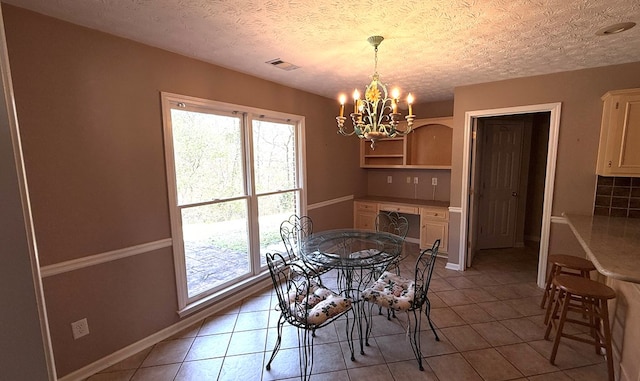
[[547, 286], [563, 316], [552, 315], [604, 314], [552, 295]]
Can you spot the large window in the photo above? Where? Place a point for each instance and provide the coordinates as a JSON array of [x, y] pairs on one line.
[[233, 175]]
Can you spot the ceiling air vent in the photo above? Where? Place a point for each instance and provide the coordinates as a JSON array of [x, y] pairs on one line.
[[280, 64]]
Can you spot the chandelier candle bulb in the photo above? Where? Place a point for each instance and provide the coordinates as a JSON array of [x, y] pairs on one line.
[[410, 102], [342, 99], [356, 98]]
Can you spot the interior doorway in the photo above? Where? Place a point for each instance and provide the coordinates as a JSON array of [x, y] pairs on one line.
[[527, 194], [508, 168]]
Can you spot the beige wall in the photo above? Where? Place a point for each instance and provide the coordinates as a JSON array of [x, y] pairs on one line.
[[21, 330], [89, 107], [580, 92]]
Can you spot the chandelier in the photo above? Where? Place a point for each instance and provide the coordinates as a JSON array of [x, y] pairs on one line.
[[376, 116]]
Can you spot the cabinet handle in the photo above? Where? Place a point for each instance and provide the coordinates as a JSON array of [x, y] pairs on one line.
[[609, 165], [435, 214]]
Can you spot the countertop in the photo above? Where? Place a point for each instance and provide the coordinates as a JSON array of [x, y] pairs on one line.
[[611, 243], [404, 201]]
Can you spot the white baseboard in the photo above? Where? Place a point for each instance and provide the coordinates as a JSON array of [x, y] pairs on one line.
[[452, 266], [163, 334]]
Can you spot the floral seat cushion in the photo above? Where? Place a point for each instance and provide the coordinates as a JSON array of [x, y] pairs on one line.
[[314, 304], [391, 291]]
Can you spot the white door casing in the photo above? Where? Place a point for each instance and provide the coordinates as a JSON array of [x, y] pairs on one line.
[[552, 153]]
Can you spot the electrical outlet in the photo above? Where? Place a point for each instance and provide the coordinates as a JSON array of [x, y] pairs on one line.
[[80, 328], [389, 179], [434, 181], [408, 179], [415, 180]]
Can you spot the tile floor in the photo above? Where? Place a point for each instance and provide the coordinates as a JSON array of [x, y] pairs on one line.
[[488, 319]]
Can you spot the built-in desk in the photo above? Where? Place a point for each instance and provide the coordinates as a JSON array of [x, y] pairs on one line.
[[433, 216]]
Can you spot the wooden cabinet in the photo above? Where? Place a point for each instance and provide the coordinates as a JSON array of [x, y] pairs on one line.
[[619, 150], [428, 146], [364, 215], [434, 220], [434, 225]]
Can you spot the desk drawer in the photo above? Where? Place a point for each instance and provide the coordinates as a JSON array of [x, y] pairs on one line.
[[366, 207], [398, 208], [435, 214]]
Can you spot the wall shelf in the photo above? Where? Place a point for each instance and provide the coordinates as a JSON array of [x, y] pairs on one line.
[[428, 146]]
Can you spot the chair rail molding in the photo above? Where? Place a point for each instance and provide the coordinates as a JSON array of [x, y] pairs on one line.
[[93, 260], [333, 201]]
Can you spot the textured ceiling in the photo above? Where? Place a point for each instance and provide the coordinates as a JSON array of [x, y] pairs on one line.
[[430, 46]]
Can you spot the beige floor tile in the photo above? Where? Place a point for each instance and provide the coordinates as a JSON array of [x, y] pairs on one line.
[[120, 375], [251, 320], [328, 358], [490, 364], [285, 365], [461, 282], [218, 324], [189, 332], [341, 375], [207, 347], [372, 355], [566, 357], [496, 334], [394, 348], [452, 367], [157, 373], [371, 373], [435, 300], [528, 361], [431, 347], [555, 376], [526, 329], [588, 373], [529, 306], [408, 370], [244, 342], [454, 298], [257, 303], [243, 367], [465, 338], [502, 292], [500, 310], [168, 352], [478, 295], [439, 285], [132, 362], [200, 370], [483, 280], [445, 317], [472, 313]]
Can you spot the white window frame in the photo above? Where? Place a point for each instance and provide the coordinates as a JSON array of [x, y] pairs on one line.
[[169, 101]]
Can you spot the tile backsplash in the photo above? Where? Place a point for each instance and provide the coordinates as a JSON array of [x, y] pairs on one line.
[[617, 197]]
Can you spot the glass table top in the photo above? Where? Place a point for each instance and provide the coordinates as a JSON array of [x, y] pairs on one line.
[[351, 248]]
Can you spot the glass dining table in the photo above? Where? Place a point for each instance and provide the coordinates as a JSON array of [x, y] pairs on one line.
[[360, 256]]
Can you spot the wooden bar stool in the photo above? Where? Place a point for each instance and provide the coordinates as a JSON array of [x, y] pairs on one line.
[[567, 265], [589, 298]]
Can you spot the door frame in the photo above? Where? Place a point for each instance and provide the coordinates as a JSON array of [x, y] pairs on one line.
[[550, 174]]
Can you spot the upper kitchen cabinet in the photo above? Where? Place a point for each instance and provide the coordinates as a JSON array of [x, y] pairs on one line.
[[428, 146], [619, 150]]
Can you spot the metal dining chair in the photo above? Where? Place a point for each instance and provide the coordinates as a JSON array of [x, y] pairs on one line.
[[293, 231], [391, 222], [406, 295], [304, 304], [394, 223]]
